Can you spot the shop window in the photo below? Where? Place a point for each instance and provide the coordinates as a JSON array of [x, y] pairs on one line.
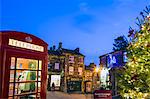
[[25, 78], [56, 80]]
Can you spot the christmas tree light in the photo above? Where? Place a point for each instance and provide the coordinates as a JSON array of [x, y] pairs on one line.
[[134, 79]]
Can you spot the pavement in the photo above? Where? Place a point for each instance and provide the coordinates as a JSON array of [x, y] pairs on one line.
[[62, 95]]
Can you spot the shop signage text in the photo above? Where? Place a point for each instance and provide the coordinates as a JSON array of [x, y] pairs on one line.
[[25, 45], [102, 94]]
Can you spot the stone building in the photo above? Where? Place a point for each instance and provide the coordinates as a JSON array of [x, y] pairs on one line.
[[55, 69], [91, 78], [71, 68]]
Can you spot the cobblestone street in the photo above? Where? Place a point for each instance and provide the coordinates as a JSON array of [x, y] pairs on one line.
[[62, 95]]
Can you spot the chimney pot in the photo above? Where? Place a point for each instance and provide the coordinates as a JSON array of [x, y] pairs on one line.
[[54, 47], [77, 49], [60, 45], [51, 48]]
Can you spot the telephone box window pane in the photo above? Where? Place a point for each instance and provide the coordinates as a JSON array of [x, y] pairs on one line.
[[12, 73], [10, 97], [31, 96], [23, 63], [40, 65], [38, 95], [25, 88], [39, 86], [25, 75], [12, 63], [39, 76], [11, 85]]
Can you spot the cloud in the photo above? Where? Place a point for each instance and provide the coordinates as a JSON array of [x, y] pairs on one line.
[[92, 30], [83, 6]]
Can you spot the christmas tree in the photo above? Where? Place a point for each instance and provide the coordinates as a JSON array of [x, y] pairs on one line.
[[134, 79]]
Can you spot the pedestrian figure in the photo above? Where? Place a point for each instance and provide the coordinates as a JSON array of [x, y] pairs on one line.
[[53, 86]]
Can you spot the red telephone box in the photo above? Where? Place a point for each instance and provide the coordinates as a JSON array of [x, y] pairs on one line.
[[23, 66]]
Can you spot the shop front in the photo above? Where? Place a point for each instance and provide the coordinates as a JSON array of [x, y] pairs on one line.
[[23, 66], [56, 80], [88, 87], [74, 85]]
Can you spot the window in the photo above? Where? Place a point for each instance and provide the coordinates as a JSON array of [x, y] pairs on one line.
[[25, 78], [71, 59], [80, 71], [57, 66], [71, 70], [125, 58], [81, 60]]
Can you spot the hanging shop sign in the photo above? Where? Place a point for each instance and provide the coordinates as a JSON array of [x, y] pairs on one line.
[[115, 59], [102, 94]]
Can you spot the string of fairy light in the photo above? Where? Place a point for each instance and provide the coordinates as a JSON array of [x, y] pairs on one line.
[[138, 66]]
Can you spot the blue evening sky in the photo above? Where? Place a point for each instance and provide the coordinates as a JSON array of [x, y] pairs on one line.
[[91, 25]]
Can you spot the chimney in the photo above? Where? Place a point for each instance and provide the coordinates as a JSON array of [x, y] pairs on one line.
[[77, 50], [60, 45], [51, 48], [54, 47]]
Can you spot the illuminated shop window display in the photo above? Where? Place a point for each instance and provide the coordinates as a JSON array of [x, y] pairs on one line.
[[25, 78], [56, 80], [104, 77]]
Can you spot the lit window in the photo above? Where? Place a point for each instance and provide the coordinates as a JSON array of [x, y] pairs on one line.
[[80, 70], [57, 66], [71, 70]]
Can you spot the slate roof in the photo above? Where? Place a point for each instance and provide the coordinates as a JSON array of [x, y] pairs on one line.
[[63, 50], [71, 51], [52, 52]]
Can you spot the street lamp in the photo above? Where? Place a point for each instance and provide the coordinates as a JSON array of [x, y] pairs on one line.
[[96, 69]]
